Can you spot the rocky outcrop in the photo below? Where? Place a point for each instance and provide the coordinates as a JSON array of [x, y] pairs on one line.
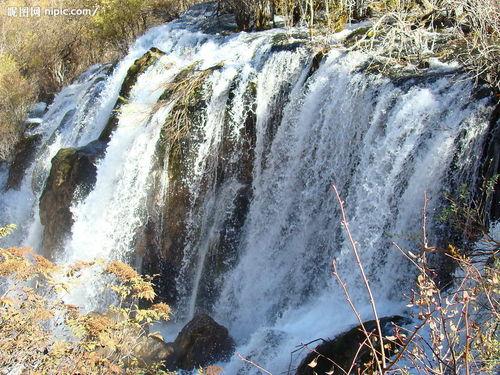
[[153, 350], [73, 175], [491, 165], [138, 67], [342, 350], [222, 253], [201, 342], [25, 153], [164, 241]]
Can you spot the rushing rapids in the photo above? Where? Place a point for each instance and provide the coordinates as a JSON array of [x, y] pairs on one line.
[[215, 159]]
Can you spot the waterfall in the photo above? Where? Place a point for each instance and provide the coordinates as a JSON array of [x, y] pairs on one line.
[[231, 201]]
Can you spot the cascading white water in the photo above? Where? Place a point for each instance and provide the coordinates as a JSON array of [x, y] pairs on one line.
[[63, 125], [383, 142], [384, 147]]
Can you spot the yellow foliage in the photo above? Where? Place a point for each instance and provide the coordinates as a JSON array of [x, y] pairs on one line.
[[7, 230], [105, 342], [122, 271]]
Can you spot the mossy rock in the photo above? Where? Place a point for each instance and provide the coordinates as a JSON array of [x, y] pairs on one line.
[[25, 153], [343, 349], [72, 176], [285, 42], [356, 36], [164, 241], [138, 67]]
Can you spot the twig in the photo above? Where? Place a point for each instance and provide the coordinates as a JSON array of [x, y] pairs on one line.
[[358, 316], [253, 364], [365, 279]]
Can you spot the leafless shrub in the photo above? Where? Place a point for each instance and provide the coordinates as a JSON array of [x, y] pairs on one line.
[[16, 94], [411, 31], [458, 328], [478, 28]]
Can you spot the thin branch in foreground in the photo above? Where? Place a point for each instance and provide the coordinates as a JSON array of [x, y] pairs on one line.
[[362, 270], [253, 364], [347, 295]]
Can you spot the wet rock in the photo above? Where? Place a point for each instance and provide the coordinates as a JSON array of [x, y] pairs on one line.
[[343, 348], [25, 153], [234, 164], [152, 350], [72, 176], [162, 241], [491, 164], [138, 67], [284, 42], [37, 110], [201, 342], [316, 61], [35, 115]]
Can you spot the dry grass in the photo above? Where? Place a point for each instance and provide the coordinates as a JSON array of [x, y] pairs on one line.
[[49, 52], [464, 30], [16, 95], [184, 95]]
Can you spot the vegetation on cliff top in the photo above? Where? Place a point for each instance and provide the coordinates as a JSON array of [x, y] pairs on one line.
[[406, 31], [39, 55]]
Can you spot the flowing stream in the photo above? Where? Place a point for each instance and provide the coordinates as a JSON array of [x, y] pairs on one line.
[[260, 224]]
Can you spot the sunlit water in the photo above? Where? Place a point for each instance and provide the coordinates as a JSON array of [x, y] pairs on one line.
[[383, 144]]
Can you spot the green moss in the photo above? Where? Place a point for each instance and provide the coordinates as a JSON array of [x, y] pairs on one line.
[[186, 93], [64, 162], [136, 69], [175, 165]]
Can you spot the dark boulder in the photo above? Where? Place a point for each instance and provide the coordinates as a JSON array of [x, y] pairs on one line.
[[72, 176], [491, 166], [201, 342], [343, 348], [24, 156]]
